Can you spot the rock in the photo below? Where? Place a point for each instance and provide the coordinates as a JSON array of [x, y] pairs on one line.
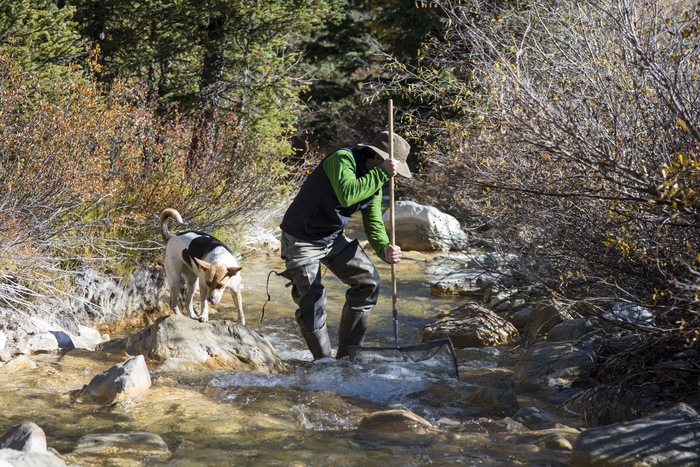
[[534, 418], [545, 440], [687, 353], [630, 314], [470, 325], [574, 330], [17, 363], [544, 317], [470, 283], [425, 228], [120, 443], [129, 378], [395, 421], [26, 437], [550, 364], [498, 396], [181, 365], [649, 443], [43, 341], [3, 340], [219, 344], [519, 318], [680, 411], [12, 458]]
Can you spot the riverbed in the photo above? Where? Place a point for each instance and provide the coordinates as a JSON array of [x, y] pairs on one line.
[[308, 417]]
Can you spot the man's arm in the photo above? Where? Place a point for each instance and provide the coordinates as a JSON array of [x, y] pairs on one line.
[[340, 168], [374, 226]]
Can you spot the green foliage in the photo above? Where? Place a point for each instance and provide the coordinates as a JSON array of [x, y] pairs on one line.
[[39, 34]]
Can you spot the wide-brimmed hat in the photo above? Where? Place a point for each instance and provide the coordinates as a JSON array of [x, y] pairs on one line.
[[380, 145]]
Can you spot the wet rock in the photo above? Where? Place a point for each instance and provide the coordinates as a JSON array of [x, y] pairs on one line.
[[470, 325], [181, 365], [425, 228], [25, 436], [534, 418], [12, 458], [122, 443], [550, 364], [220, 344], [545, 440], [498, 396], [519, 318], [396, 421], [680, 411], [544, 317], [470, 283], [649, 443], [129, 378], [574, 330], [18, 363]]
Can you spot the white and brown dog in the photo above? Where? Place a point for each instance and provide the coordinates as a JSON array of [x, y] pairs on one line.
[[199, 257]]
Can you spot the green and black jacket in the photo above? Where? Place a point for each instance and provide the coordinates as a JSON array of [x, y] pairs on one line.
[[340, 186]]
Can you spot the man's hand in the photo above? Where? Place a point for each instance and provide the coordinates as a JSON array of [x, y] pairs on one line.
[[391, 166], [392, 253]]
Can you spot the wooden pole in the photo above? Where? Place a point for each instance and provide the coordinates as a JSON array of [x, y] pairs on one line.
[[392, 231]]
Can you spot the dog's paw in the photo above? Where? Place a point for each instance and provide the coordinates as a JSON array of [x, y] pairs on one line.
[[204, 319]]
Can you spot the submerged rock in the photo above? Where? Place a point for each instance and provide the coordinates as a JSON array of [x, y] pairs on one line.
[[395, 421], [553, 364], [498, 396], [545, 440], [534, 418], [648, 443], [470, 283], [129, 378], [120, 443], [470, 325], [220, 344], [425, 228]]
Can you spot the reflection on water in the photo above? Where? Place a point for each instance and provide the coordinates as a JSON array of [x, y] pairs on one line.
[[306, 418]]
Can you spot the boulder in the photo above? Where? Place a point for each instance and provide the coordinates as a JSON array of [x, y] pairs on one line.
[[25, 436], [553, 364], [470, 325], [574, 329], [630, 314], [544, 317], [220, 344], [519, 318], [498, 396], [425, 228], [12, 458], [545, 440], [129, 378], [639, 443], [396, 421], [534, 418], [17, 363], [122, 443], [680, 411], [471, 283]]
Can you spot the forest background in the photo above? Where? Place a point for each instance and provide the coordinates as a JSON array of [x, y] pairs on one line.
[[571, 129]]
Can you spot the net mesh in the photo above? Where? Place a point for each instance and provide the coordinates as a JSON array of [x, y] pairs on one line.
[[438, 354]]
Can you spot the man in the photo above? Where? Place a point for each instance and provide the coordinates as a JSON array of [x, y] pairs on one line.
[[346, 181]]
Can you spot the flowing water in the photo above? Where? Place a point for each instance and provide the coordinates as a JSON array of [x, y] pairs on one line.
[[308, 417]]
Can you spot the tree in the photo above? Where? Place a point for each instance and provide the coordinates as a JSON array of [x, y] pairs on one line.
[[39, 34]]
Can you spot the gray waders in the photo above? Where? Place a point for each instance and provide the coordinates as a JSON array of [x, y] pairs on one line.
[[354, 268]]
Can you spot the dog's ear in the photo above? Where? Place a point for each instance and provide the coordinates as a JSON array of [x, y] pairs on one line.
[[232, 271], [203, 264]]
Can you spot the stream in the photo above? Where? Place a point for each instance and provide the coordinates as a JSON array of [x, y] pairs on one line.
[[308, 417]]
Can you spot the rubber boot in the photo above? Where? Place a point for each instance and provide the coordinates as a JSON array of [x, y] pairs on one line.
[[351, 330], [317, 341]]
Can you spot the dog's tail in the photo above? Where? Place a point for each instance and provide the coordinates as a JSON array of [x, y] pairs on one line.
[[164, 216]]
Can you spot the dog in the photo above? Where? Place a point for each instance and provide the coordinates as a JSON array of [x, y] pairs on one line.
[[200, 258]]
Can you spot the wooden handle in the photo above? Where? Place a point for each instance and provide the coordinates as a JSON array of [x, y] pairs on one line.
[[392, 231]]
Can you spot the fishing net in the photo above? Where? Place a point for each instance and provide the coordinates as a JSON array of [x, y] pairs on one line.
[[438, 355]]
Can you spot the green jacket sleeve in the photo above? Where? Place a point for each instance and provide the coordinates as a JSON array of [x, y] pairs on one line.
[[340, 168]]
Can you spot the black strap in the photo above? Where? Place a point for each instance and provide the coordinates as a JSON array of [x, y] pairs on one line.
[[267, 290]]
